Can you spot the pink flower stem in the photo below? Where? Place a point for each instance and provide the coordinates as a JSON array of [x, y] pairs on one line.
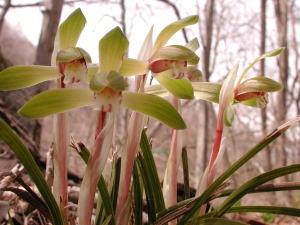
[[92, 175], [60, 160], [128, 157], [216, 148], [170, 179]]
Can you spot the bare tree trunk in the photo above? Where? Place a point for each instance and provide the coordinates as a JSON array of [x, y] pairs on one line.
[[262, 50], [3, 13], [51, 18], [281, 13], [203, 137]]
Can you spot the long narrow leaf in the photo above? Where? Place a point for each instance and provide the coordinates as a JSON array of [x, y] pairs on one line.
[[214, 221], [25, 157], [138, 197], [185, 166], [266, 209], [148, 190], [151, 167], [85, 154], [251, 184], [245, 158]]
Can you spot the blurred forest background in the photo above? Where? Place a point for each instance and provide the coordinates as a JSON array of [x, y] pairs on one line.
[[229, 30]]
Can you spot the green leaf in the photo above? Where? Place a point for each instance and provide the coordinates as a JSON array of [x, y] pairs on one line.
[[261, 84], [176, 52], [193, 44], [56, 101], [213, 221], [253, 183], [70, 54], [70, 29], [155, 107], [116, 81], [181, 88], [24, 156], [17, 77], [131, 67], [171, 29], [185, 168], [151, 208], [266, 55], [138, 197], [207, 91], [152, 172], [112, 48], [266, 209], [234, 167], [101, 185]]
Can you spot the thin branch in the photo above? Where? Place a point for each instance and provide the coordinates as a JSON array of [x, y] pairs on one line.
[[176, 11], [5, 9]]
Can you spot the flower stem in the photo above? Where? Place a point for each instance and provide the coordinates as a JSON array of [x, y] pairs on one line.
[[60, 160], [95, 165], [170, 179], [134, 133]]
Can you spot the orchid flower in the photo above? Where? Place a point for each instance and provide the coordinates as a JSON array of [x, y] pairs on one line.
[[106, 93], [251, 92], [172, 62], [68, 65]]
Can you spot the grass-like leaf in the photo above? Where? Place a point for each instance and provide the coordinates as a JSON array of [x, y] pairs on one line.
[[266, 209], [213, 221], [253, 183], [17, 77], [151, 209], [102, 188], [186, 180], [152, 172], [234, 167], [26, 159], [154, 106], [138, 196]]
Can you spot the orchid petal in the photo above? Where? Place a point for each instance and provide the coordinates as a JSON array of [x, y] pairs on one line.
[[91, 72], [116, 81], [25, 76], [193, 44], [180, 88], [158, 90], [70, 29], [98, 81], [171, 29], [154, 106], [133, 67], [70, 54], [112, 48], [266, 55], [207, 91], [176, 52], [56, 101], [145, 51], [261, 84], [228, 116]]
